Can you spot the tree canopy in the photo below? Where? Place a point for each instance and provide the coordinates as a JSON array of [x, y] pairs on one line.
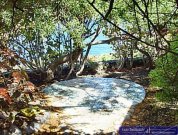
[[44, 32]]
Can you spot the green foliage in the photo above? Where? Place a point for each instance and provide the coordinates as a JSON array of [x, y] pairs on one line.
[[41, 31], [30, 111], [103, 57], [166, 95], [92, 65], [165, 75]]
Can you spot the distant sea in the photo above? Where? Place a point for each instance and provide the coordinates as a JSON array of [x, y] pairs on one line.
[[101, 49]]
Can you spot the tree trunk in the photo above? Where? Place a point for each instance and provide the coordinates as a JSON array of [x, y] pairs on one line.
[[84, 61], [71, 70], [150, 60], [75, 54]]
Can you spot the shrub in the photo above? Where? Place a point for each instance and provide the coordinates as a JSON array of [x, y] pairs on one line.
[[165, 75]]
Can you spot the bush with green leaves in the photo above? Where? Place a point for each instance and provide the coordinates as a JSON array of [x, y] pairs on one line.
[[165, 75]]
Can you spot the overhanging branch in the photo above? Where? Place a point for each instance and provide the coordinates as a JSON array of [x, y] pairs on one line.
[[110, 8], [127, 33]]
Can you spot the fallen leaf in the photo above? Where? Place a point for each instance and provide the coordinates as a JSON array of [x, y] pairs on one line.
[[4, 94]]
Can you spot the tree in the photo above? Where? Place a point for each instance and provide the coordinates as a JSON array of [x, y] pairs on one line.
[[152, 24], [165, 75], [146, 22], [26, 23]]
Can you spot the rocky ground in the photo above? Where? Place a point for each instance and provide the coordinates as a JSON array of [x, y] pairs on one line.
[[149, 112]]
